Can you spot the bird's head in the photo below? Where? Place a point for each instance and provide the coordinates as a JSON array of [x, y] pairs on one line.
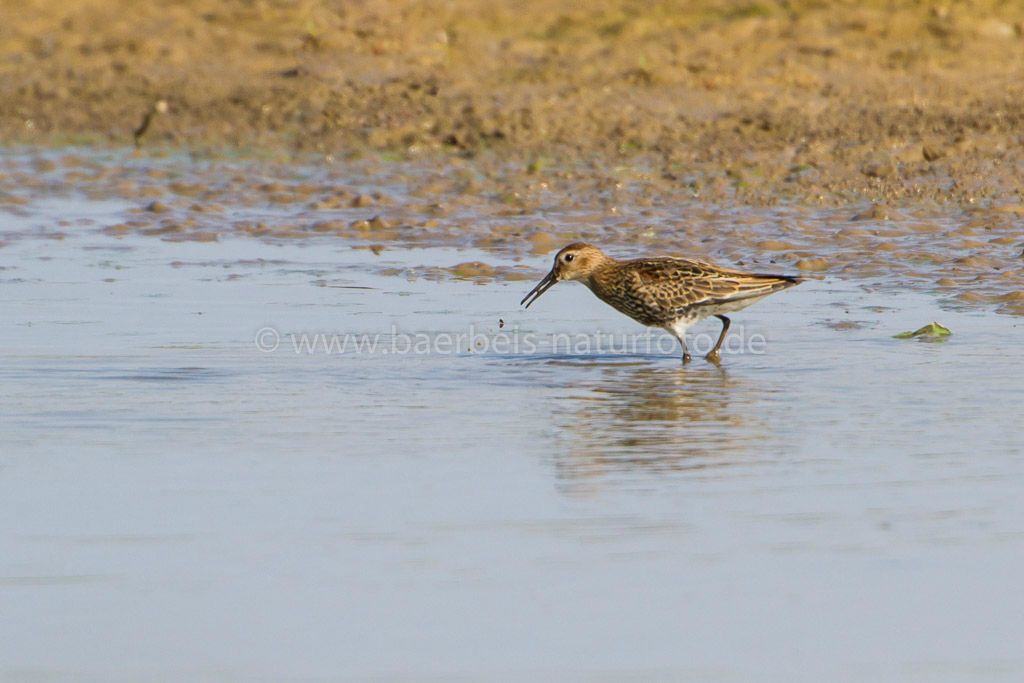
[[574, 262]]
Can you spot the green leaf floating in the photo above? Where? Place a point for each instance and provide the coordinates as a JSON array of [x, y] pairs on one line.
[[930, 332]]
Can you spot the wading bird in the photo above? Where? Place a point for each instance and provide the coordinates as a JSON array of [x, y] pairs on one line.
[[666, 292]]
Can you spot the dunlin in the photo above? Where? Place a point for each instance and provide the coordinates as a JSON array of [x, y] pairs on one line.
[[671, 293]]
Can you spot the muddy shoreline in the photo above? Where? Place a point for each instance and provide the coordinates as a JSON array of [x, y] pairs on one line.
[[874, 142], [755, 102], [969, 256]]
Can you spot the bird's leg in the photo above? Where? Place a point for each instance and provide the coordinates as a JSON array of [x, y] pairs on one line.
[[713, 355], [680, 335], [686, 352]]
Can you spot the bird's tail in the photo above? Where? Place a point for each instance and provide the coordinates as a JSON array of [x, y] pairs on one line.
[[751, 285]]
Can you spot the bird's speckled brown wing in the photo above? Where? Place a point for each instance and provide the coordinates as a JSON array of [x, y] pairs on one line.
[[658, 291]]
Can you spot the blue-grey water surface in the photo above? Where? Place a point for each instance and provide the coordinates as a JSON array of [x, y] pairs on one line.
[[178, 504]]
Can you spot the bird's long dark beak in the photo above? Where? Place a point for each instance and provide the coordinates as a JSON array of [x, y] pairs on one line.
[[542, 286]]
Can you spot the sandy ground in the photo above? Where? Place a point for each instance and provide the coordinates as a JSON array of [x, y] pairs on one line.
[[821, 102]]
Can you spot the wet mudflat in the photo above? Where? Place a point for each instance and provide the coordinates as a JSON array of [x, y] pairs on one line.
[[969, 254], [203, 475]]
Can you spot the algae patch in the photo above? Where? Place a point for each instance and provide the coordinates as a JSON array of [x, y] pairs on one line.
[[931, 332]]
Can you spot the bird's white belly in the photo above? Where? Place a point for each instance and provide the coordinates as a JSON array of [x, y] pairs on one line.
[[730, 306]]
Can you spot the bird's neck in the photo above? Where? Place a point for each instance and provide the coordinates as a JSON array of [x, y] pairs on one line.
[[599, 275]]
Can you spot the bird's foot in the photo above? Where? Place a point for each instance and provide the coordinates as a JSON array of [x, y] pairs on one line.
[[714, 357], [687, 358]]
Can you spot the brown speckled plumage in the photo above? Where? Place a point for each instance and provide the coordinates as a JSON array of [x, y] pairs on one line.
[[671, 293]]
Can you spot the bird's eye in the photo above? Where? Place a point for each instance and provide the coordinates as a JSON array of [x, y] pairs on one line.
[[568, 257]]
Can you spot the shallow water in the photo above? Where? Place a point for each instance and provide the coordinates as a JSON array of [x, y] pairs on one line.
[[178, 502]]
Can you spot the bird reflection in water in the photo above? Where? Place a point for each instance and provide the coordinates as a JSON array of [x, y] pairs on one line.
[[641, 420]]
